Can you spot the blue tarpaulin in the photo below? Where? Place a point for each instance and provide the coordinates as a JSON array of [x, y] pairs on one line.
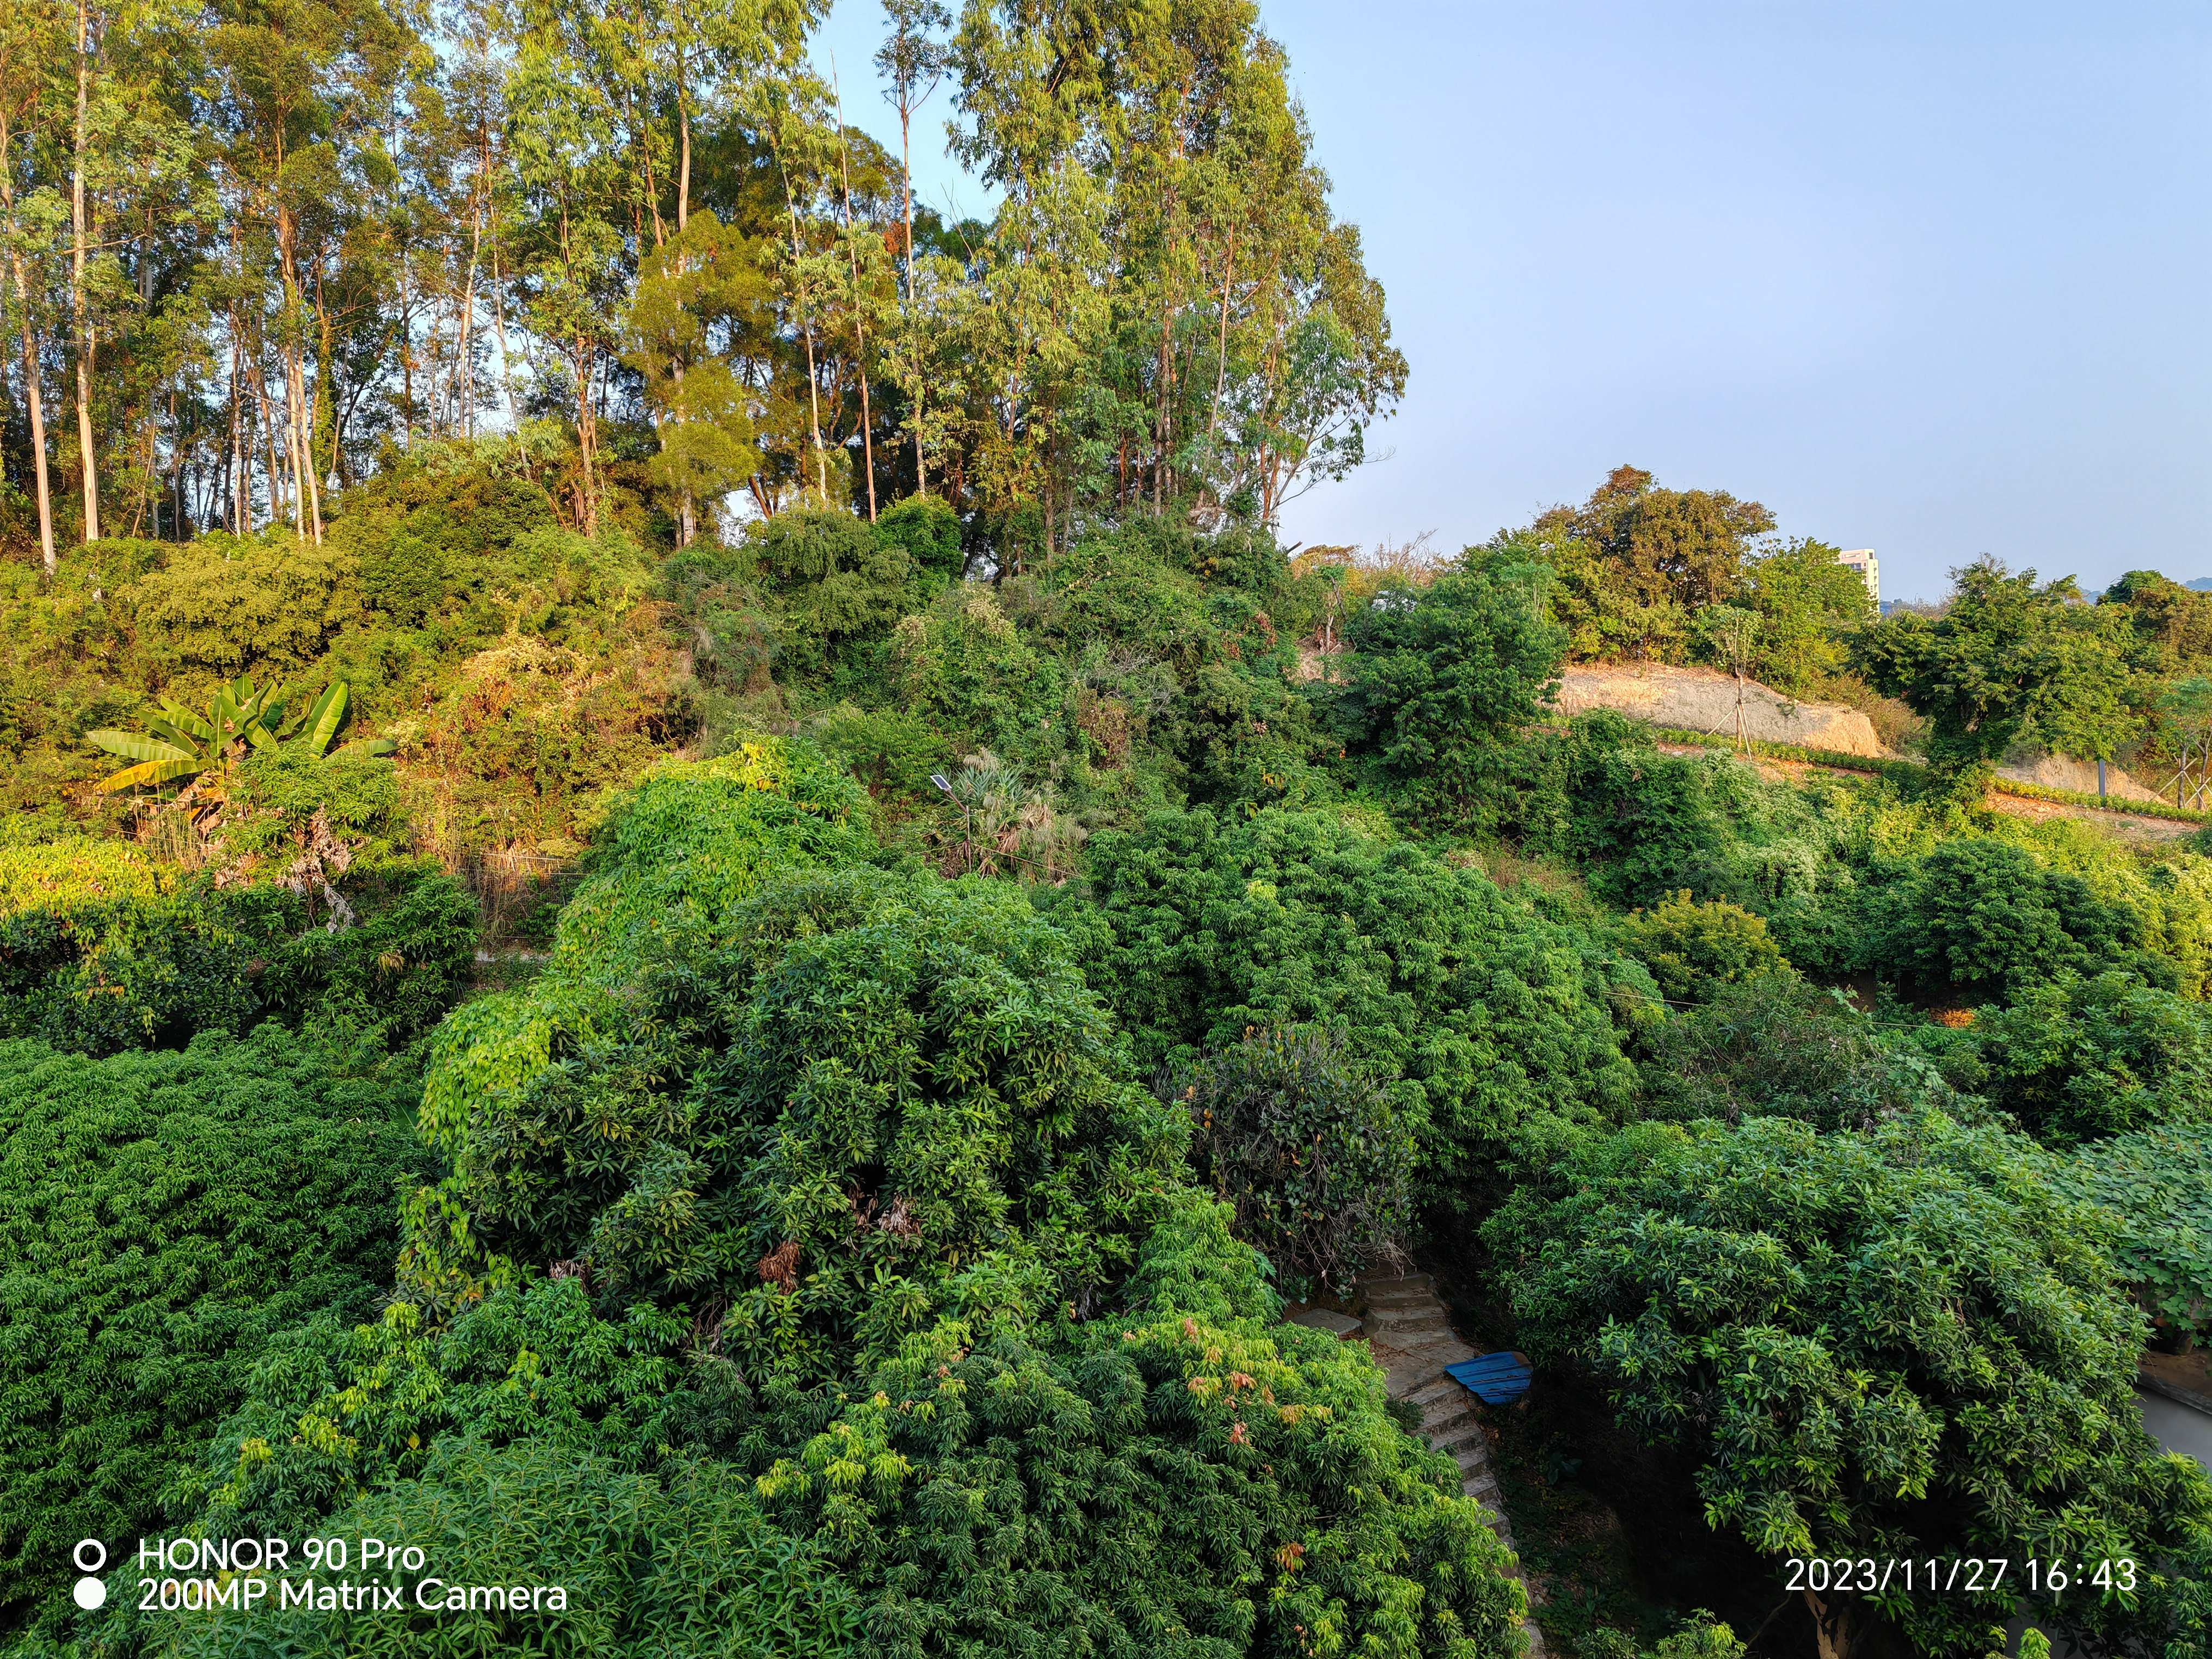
[[1493, 1378]]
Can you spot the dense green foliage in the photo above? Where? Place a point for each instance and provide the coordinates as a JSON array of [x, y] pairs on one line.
[[1486, 1012], [1899, 1342], [165, 1215], [793, 1232], [2159, 1183], [1450, 675], [103, 949], [1307, 1147], [1692, 949], [831, 1191], [2007, 661]]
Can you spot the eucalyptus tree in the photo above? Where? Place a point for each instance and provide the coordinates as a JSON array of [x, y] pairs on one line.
[[30, 40], [1172, 312]]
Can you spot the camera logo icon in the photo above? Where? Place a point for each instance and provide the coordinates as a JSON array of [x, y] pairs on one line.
[[90, 1556]]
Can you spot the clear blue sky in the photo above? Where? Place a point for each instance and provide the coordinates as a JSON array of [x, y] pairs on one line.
[[1931, 278]]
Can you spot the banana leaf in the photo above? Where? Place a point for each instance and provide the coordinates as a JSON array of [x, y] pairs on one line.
[[328, 717], [188, 742], [153, 771], [187, 719], [132, 746]]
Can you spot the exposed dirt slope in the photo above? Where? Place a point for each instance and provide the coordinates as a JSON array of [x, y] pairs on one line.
[[1704, 700]]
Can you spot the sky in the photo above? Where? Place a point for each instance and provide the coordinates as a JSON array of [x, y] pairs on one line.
[[1931, 278]]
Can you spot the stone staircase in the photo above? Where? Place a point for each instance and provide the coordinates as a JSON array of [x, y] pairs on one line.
[[1412, 1339]]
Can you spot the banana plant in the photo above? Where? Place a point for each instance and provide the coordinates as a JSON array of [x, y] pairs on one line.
[[180, 744]]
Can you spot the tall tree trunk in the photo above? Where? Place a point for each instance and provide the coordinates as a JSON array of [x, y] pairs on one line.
[[683, 167], [233, 477], [80, 240], [32, 396], [806, 331], [859, 328], [465, 332], [587, 507], [906, 181], [1221, 349], [38, 429]]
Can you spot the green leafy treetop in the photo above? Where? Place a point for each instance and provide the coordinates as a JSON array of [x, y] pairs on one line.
[[2007, 661], [1898, 1344], [1448, 676]]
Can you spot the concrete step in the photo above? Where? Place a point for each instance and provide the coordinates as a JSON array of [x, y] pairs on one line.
[[1389, 1323], [1472, 1460], [1401, 1284], [1394, 1296], [1441, 1347], [1445, 1414], [1483, 1488], [1440, 1391], [1464, 1435]]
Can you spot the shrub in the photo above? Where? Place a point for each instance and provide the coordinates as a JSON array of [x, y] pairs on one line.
[[1447, 675], [928, 531], [838, 580], [882, 1101], [1691, 948], [1480, 1013], [1981, 915], [1774, 1046], [1897, 1343], [1307, 1147], [102, 949], [1171, 1462], [2159, 1183], [2074, 1059], [160, 1215], [223, 606]]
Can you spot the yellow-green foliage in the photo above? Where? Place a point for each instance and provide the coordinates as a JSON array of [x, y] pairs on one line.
[[62, 875], [677, 854], [2171, 891], [1691, 947], [522, 666], [223, 606]]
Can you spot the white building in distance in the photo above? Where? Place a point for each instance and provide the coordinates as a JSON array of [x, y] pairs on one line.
[[1862, 560]]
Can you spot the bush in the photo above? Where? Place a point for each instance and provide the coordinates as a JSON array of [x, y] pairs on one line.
[[1902, 1342], [1983, 914], [1290, 1130], [838, 580], [2075, 1058], [884, 1100], [1481, 1012], [224, 606], [101, 949], [2159, 1183], [1170, 1462], [1691, 948], [1447, 677], [1774, 1046], [846, 1187], [928, 531], [161, 1215]]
